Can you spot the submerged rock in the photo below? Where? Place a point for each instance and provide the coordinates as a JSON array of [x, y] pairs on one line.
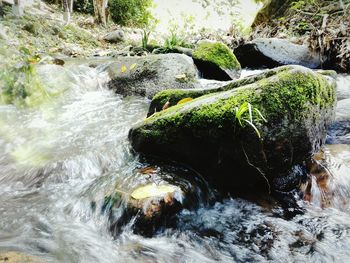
[[339, 133], [148, 75], [154, 200], [216, 61], [243, 136], [273, 52]]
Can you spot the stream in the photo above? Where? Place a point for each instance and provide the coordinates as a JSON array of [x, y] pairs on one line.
[[58, 158]]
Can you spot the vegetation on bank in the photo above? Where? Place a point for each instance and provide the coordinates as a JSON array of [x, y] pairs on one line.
[[38, 37], [130, 12], [121, 12], [30, 40], [324, 24]]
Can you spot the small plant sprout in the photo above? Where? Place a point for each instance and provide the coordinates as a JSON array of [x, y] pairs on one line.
[[243, 110], [145, 39]]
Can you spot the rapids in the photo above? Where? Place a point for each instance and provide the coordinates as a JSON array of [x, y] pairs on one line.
[[56, 159]]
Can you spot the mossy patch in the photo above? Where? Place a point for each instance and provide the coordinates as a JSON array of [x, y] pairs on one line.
[[173, 96], [217, 53]]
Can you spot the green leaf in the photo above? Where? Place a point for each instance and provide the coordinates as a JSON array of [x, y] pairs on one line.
[[260, 114], [185, 100], [254, 127]]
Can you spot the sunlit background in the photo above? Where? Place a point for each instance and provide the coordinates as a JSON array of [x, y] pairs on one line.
[[201, 15]]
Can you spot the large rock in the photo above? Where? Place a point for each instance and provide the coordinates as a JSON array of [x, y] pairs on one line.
[[273, 52], [215, 134], [148, 75], [115, 36], [216, 61]]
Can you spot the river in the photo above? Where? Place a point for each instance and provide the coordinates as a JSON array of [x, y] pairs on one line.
[[58, 158]]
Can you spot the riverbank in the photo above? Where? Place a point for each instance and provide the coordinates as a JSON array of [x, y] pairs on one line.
[[323, 25], [43, 31]]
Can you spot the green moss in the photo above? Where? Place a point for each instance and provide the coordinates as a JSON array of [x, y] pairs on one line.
[[173, 96], [296, 94], [217, 53], [292, 93]]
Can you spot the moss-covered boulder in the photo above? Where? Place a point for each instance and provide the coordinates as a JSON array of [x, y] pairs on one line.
[[216, 61], [243, 136], [148, 75]]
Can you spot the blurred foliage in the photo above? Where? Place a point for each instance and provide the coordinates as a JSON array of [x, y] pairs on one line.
[[84, 6], [122, 12], [130, 12], [75, 34], [19, 83], [174, 40], [300, 5], [145, 39]]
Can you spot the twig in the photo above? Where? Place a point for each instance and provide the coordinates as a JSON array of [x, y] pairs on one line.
[[257, 168]]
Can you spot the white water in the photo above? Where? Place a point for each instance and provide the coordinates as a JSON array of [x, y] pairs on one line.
[[57, 159]]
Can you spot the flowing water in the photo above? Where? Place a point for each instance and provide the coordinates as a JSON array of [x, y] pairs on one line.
[[56, 159]]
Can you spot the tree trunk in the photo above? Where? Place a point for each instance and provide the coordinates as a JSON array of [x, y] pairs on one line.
[[66, 12], [71, 6], [100, 8], [272, 9], [17, 8]]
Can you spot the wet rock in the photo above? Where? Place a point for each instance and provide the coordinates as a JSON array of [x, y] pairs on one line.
[[153, 198], [343, 87], [18, 257], [291, 109], [183, 50], [216, 61], [72, 50], [273, 52], [328, 184], [115, 36], [148, 75], [343, 110], [339, 133], [159, 205]]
